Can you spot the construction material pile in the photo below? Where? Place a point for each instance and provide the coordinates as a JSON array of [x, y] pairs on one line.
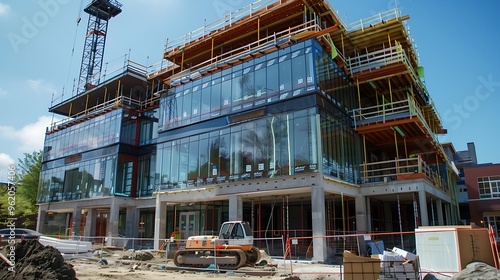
[[36, 261]]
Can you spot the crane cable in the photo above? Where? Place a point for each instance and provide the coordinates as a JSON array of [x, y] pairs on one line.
[[78, 19]]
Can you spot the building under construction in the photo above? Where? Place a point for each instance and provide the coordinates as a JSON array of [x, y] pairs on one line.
[[278, 113]]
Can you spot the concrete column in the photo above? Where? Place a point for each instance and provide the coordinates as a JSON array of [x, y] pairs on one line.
[[388, 216], [439, 206], [424, 217], [361, 221], [318, 223], [77, 217], [132, 223], [40, 220], [447, 213], [235, 208], [114, 214], [90, 223], [368, 214], [160, 223]]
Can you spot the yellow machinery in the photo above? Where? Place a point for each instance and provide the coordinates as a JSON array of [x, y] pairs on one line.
[[232, 249]]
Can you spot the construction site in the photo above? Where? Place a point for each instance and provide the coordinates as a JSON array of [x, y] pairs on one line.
[[317, 132]]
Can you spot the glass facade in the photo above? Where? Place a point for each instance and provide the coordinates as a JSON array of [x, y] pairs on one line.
[[146, 180], [281, 114], [341, 148], [92, 134], [284, 144], [268, 141], [264, 80], [84, 160], [84, 179]]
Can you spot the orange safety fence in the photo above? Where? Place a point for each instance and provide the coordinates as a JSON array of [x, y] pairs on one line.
[[427, 250]]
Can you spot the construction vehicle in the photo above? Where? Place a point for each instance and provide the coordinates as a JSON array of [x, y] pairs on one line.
[[232, 249]]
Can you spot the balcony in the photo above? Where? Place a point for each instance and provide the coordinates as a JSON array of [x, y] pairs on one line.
[[402, 169], [406, 117]]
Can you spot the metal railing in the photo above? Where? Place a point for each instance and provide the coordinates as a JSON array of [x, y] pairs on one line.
[[277, 38], [393, 170], [386, 111], [377, 59], [225, 21], [374, 19], [112, 104]]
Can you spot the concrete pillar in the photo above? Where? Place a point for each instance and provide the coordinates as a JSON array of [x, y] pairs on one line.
[[318, 223], [40, 220], [449, 220], [132, 223], [388, 216], [424, 217], [77, 218], [439, 206], [114, 214], [368, 214], [160, 223], [90, 222], [235, 208], [361, 221]]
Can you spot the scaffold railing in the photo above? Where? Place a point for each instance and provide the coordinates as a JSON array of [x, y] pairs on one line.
[[224, 21], [374, 19], [388, 110], [112, 104], [391, 110], [277, 38], [400, 169], [395, 54]]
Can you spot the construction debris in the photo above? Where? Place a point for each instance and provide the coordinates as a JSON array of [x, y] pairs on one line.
[[36, 261], [477, 270], [144, 256]]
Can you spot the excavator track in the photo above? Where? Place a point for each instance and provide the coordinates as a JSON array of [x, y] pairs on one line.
[[202, 258]]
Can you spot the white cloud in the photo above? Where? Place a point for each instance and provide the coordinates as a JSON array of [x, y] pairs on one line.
[[30, 137], [5, 162], [3, 92], [4, 9], [41, 86]]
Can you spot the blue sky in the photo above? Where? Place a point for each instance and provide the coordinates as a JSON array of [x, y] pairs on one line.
[[41, 48]]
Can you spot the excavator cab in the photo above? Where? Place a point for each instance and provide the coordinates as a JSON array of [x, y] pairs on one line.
[[236, 230]]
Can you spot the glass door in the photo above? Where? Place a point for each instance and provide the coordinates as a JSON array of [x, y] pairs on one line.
[[188, 224]]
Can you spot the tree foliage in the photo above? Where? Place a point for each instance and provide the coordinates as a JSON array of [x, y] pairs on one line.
[[27, 174]]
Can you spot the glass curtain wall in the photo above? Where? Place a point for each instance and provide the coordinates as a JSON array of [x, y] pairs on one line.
[[270, 78], [284, 144], [87, 179], [341, 148], [94, 133]]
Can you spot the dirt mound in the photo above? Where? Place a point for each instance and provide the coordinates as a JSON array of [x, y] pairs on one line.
[[144, 256], [36, 261]]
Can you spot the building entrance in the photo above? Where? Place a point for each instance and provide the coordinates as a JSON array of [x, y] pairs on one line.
[[188, 224], [101, 225]]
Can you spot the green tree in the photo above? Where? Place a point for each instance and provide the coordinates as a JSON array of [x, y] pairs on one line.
[[27, 174], [27, 179]]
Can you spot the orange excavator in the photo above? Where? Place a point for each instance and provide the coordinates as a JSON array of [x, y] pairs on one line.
[[232, 249]]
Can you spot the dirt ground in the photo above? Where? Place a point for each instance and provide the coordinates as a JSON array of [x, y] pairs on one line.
[[115, 266]]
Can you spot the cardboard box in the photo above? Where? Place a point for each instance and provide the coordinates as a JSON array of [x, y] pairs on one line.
[[360, 268]]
